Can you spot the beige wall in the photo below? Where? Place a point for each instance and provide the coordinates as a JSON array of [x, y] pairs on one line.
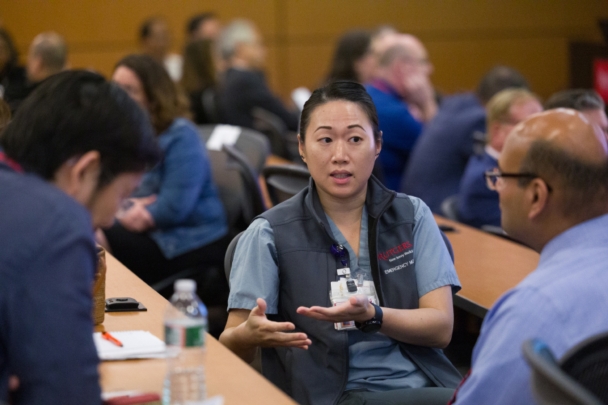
[[464, 37]]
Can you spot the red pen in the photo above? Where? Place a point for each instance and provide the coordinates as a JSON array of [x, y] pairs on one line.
[[110, 338]]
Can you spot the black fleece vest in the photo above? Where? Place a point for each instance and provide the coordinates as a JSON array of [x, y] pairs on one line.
[[306, 268]]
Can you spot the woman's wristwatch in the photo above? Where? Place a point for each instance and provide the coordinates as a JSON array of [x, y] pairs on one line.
[[372, 325]]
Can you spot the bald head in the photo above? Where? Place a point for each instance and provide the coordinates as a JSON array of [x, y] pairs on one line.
[[555, 176], [47, 56], [401, 46], [569, 153], [562, 129]]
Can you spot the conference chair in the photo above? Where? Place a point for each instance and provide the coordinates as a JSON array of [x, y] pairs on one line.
[[579, 378], [283, 143], [237, 186], [449, 208], [283, 182], [254, 145]]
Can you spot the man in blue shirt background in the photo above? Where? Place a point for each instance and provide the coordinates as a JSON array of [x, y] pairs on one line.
[[477, 204], [553, 188], [404, 99], [76, 148]]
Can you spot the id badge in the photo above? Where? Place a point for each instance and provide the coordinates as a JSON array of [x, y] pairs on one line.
[[340, 293]]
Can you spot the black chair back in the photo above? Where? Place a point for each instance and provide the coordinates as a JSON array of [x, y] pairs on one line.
[[551, 384], [283, 143], [449, 207], [283, 182], [587, 363]]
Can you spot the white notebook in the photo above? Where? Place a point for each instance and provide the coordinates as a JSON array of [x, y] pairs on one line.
[[137, 344]]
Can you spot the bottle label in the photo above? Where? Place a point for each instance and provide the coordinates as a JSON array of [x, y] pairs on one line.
[[193, 336]]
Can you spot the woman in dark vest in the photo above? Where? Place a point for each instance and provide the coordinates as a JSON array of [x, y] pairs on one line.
[[346, 225]]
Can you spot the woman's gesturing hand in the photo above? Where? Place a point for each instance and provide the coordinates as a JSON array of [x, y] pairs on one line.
[[357, 308], [266, 333]]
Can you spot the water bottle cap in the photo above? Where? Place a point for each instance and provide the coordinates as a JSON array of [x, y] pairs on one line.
[[185, 285]]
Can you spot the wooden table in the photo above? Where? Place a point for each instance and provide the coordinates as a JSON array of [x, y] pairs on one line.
[[227, 375], [487, 266]]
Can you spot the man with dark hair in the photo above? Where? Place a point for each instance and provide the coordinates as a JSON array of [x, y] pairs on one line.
[[588, 102], [76, 148], [203, 26], [552, 183], [439, 158]]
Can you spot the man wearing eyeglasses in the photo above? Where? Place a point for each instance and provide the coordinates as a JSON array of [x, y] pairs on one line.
[[478, 205], [552, 181]]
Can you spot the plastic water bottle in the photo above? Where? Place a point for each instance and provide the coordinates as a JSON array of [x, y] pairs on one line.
[[185, 328]]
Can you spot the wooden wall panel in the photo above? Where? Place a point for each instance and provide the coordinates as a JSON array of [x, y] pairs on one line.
[[464, 37]]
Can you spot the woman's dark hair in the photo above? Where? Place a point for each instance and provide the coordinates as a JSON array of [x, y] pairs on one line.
[[351, 47], [166, 101], [341, 90], [199, 66], [13, 59], [76, 112]]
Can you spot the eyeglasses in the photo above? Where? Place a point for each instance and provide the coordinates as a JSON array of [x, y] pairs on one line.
[[494, 178]]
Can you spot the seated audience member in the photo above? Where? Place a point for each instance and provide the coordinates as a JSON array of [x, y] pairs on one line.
[[203, 26], [243, 85], [353, 58], [200, 81], [588, 102], [176, 220], [553, 186], [477, 204], [290, 274], [48, 55], [405, 100], [440, 156], [155, 41], [76, 147], [13, 79]]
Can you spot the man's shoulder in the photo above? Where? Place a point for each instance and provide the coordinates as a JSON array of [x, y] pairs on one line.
[[28, 203]]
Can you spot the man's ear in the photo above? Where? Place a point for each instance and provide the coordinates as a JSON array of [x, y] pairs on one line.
[[78, 176], [537, 194]]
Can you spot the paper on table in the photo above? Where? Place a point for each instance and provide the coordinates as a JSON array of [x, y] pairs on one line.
[[137, 344], [223, 135]]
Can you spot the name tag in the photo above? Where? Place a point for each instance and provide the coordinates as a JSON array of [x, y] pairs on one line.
[[345, 271]]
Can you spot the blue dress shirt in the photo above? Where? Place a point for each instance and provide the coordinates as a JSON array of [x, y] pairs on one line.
[[563, 302]]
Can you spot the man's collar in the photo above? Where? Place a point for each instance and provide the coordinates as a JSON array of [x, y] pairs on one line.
[[4, 159], [385, 87], [492, 152]]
